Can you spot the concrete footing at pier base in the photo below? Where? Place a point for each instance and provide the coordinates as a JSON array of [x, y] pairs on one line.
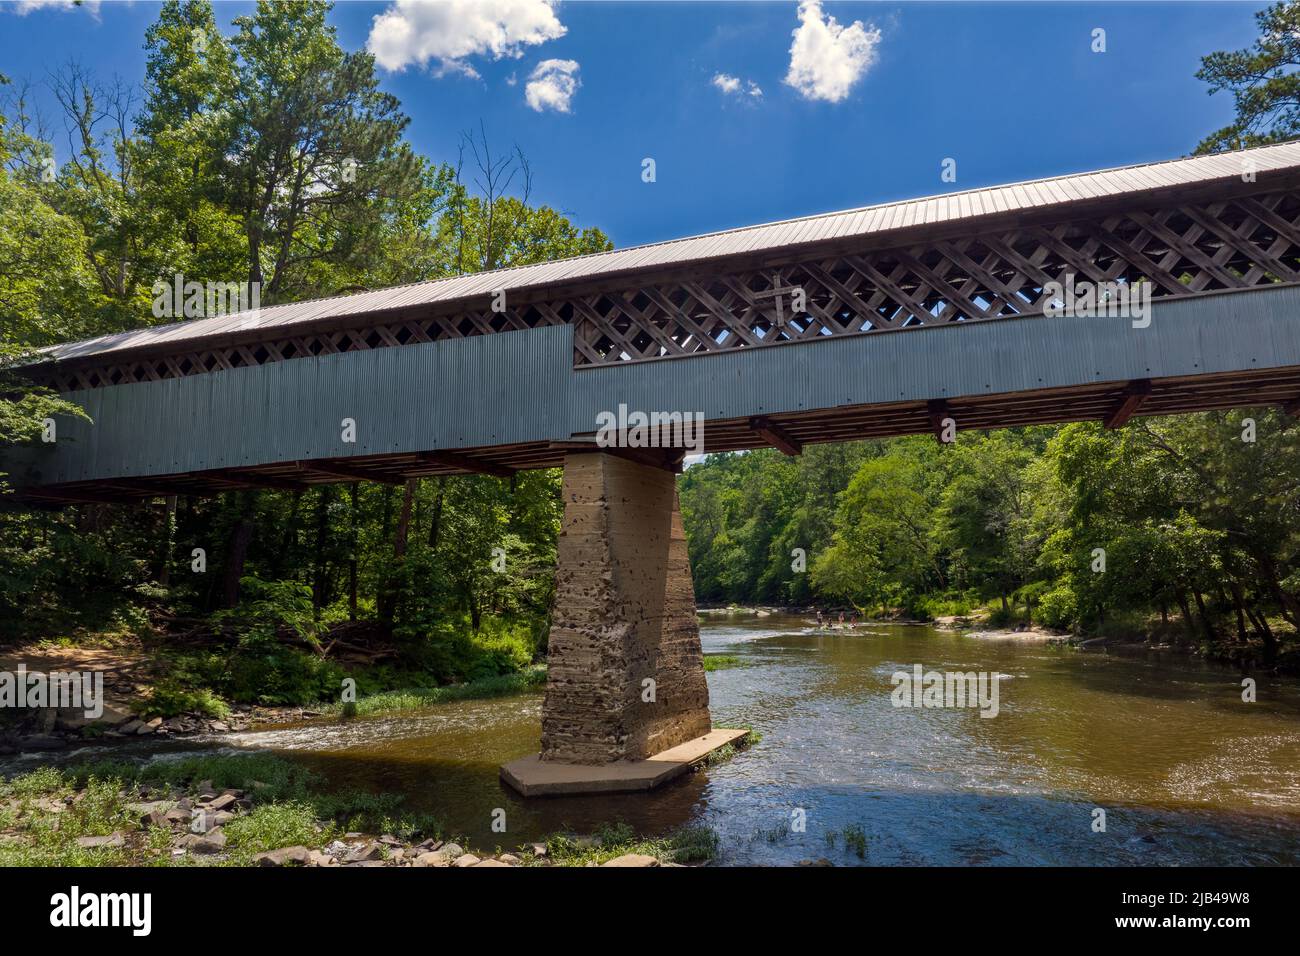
[[625, 682], [533, 777]]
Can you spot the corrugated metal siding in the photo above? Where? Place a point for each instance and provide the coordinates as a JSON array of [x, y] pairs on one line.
[[505, 389], [837, 225], [488, 390], [1214, 333]]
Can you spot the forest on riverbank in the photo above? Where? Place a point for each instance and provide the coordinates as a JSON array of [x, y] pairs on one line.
[[1184, 528], [272, 156], [268, 155]]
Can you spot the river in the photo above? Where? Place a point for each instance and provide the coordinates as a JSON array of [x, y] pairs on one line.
[[1185, 771]]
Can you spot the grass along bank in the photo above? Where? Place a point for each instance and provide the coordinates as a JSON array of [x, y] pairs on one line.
[[727, 751], [417, 698], [618, 841], [263, 810]]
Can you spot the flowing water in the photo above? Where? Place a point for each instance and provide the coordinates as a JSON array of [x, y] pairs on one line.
[[1186, 772]]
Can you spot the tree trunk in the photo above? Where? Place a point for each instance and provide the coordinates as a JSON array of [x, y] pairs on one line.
[[436, 520], [404, 518], [320, 573], [1188, 626], [164, 577], [1286, 603], [1265, 632], [475, 615], [289, 540], [1206, 627], [240, 538], [1239, 606], [388, 600], [352, 557]]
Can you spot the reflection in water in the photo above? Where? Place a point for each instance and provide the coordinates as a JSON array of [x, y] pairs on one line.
[[1187, 773]]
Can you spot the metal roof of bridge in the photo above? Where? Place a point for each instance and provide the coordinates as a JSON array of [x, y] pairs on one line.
[[882, 218]]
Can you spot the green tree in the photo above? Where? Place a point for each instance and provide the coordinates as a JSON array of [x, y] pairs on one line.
[[1264, 81], [183, 134], [315, 157], [983, 520]]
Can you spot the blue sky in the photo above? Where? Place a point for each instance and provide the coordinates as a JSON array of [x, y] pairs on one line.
[[860, 110]]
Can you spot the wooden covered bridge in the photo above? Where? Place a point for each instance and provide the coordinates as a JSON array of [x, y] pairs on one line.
[[885, 320]]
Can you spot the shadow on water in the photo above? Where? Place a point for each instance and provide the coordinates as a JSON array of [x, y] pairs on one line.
[[1184, 774], [966, 829]]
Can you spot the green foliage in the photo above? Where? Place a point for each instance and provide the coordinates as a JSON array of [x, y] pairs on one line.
[[234, 162], [45, 811], [260, 671], [1193, 523], [1058, 608], [260, 667], [747, 513], [420, 697], [312, 184], [271, 827], [1264, 82], [727, 751], [355, 810], [266, 778], [46, 819], [855, 840], [946, 604], [42, 780], [696, 844], [170, 699]]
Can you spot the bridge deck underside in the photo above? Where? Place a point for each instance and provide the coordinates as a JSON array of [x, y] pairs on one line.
[[1277, 386]]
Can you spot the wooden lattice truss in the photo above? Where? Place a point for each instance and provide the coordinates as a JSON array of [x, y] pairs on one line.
[[1187, 249]]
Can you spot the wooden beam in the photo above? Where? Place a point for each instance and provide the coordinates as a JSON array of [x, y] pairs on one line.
[[1135, 394], [150, 488], [776, 436], [1292, 407], [77, 496], [254, 480], [348, 472], [465, 463]]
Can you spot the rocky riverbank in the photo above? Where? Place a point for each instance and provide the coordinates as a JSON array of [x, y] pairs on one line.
[[128, 711], [54, 729], [161, 814], [1028, 635]]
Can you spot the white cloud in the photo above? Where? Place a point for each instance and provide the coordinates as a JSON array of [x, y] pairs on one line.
[[827, 59], [735, 86], [552, 84], [447, 32], [728, 84], [25, 7]]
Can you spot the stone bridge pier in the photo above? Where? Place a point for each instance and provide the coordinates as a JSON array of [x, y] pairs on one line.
[[627, 705]]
